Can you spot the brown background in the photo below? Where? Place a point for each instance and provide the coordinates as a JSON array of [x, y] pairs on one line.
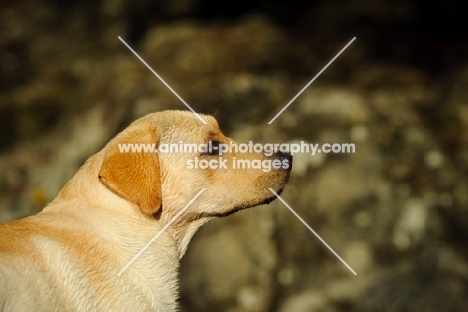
[[396, 210]]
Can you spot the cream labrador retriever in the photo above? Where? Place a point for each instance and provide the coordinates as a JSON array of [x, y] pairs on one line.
[[68, 256]]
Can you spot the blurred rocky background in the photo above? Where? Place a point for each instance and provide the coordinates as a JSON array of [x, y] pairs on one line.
[[396, 210]]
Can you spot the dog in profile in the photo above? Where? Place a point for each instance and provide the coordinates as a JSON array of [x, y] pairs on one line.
[[68, 256]]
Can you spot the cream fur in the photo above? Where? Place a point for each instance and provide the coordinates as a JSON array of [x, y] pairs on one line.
[[66, 258]]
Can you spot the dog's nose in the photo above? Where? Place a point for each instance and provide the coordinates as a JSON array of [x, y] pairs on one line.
[[285, 157]]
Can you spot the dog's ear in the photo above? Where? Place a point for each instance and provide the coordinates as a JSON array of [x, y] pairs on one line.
[[134, 175]]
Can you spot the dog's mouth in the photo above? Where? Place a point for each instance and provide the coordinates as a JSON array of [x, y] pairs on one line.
[[210, 215], [272, 198]]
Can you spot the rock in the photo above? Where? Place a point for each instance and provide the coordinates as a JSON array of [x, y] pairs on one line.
[[308, 301]]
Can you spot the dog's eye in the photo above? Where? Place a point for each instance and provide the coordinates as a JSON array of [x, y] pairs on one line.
[[212, 148]]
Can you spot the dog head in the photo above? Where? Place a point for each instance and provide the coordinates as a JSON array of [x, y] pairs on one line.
[[163, 160]]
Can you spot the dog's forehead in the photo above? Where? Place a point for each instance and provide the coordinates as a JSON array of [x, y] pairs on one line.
[[182, 125]]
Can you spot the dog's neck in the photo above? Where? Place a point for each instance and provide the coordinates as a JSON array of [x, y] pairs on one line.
[[183, 234]]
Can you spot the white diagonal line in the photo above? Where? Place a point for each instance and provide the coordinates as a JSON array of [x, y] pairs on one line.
[[161, 231], [313, 232], [162, 80], [310, 82]]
